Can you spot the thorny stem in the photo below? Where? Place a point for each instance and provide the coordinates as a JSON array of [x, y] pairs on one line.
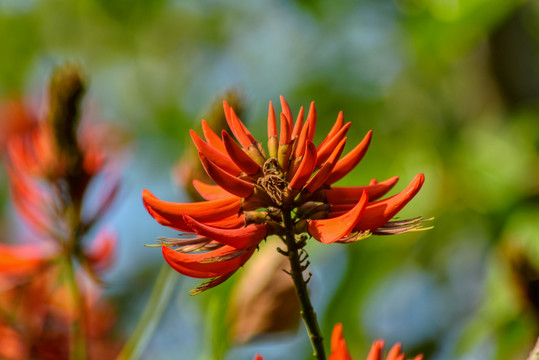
[[307, 310]]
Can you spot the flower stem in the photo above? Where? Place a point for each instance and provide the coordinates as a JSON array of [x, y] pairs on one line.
[[148, 321], [77, 338], [296, 272]]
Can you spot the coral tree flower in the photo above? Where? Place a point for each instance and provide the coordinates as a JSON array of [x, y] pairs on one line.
[[253, 187], [339, 350]]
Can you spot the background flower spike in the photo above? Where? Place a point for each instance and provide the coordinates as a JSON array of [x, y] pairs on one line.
[[228, 182]]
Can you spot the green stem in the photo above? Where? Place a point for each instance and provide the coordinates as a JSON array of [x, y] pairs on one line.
[[296, 271], [148, 321], [77, 338]]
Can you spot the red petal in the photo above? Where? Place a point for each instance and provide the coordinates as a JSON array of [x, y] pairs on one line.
[[331, 230], [171, 214], [237, 127], [212, 137], [325, 151], [285, 137], [381, 211], [299, 123], [306, 132], [215, 156], [30, 201], [241, 238], [395, 353], [102, 250], [286, 111], [201, 265], [326, 170], [376, 352], [350, 160], [306, 168], [21, 259], [334, 130], [210, 192], [336, 336], [228, 182], [348, 195], [311, 118], [339, 350], [272, 122], [240, 157]]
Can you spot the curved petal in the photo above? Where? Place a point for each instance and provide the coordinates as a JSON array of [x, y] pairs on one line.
[[377, 351], [201, 265], [212, 138], [395, 353], [339, 350], [285, 109], [305, 169], [321, 176], [328, 231], [379, 212], [350, 160], [299, 123], [325, 151], [171, 214], [241, 238], [285, 136], [334, 130], [272, 121], [240, 157], [350, 195], [210, 192], [306, 132], [215, 156], [228, 182], [237, 127]]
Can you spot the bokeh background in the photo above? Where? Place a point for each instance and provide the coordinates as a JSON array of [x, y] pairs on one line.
[[450, 88]]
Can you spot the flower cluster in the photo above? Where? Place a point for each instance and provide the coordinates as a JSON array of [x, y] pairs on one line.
[[259, 193]]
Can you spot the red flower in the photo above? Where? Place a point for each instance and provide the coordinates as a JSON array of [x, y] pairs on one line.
[[339, 350], [252, 188]]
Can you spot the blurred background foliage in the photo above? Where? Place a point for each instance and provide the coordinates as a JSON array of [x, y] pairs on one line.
[[449, 87]]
